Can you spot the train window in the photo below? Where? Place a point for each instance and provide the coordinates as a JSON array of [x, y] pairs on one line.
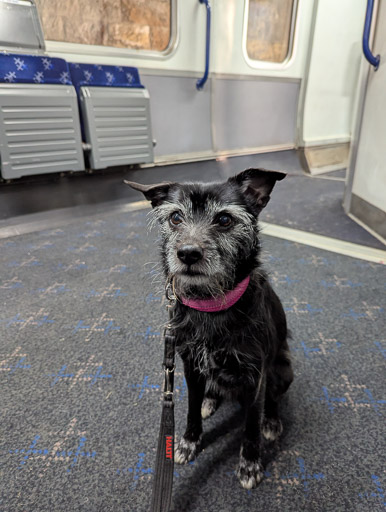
[[269, 30], [132, 24]]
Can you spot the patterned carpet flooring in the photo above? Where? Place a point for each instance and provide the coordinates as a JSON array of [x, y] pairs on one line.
[[80, 375]]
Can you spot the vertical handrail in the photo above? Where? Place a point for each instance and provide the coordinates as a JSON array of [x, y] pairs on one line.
[[201, 82], [373, 60]]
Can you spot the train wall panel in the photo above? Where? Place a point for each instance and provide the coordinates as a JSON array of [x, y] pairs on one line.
[[180, 114], [254, 113]]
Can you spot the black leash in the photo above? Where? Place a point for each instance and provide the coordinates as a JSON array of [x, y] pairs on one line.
[[164, 467]]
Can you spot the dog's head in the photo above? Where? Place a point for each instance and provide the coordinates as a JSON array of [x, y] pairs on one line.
[[209, 231]]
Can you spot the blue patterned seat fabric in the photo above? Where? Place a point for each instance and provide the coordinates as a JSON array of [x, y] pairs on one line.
[[33, 69], [39, 69], [104, 76]]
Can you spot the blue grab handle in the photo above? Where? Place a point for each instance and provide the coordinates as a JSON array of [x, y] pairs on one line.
[[374, 61], [201, 82]]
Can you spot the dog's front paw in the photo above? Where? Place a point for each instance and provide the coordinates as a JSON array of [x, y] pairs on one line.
[[209, 407], [186, 451], [272, 428], [250, 473]]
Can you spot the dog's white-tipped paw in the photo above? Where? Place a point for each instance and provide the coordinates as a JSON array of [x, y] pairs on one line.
[[272, 428], [185, 451], [209, 407], [249, 473]]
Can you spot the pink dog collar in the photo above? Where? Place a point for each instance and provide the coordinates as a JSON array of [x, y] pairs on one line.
[[220, 303]]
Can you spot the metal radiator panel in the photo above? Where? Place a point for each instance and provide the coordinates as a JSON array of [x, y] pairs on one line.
[[39, 130], [117, 125]]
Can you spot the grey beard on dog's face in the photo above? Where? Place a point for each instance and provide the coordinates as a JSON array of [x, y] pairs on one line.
[[226, 251], [209, 231]]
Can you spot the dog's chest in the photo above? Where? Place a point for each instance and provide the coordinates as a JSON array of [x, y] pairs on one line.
[[211, 361], [227, 368]]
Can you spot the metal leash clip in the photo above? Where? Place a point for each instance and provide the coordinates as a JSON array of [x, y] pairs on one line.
[[167, 328], [170, 295], [169, 381]]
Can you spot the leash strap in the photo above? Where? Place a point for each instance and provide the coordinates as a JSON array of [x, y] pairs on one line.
[[164, 467]]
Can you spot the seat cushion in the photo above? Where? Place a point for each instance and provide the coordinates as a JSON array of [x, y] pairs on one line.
[[30, 69], [104, 76]]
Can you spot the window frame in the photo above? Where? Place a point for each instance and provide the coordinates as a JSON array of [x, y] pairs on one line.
[[266, 64], [112, 52]]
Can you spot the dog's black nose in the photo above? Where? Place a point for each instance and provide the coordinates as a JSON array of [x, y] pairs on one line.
[[190, 254]]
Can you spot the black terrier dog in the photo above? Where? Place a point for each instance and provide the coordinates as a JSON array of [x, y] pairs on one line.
[[230, 327]]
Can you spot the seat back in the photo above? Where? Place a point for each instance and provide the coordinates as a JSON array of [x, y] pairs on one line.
[[39, 119], [115, 111]]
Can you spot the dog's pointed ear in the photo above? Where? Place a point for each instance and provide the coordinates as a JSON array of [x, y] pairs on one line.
[[155, 193], [257, 184]]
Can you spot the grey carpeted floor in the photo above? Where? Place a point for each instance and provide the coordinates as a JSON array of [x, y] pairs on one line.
[[80, 374]]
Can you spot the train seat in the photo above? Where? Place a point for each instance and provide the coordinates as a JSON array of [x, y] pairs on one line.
[[39, 117], [115, 114]]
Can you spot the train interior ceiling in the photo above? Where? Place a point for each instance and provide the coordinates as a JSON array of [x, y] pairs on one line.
[[94, 92]]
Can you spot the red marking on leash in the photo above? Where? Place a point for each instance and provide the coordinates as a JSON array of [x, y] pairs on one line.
[[169, 447]]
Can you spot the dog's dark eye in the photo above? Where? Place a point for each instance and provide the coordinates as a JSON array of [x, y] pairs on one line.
[[225, 220], [176, 219]]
